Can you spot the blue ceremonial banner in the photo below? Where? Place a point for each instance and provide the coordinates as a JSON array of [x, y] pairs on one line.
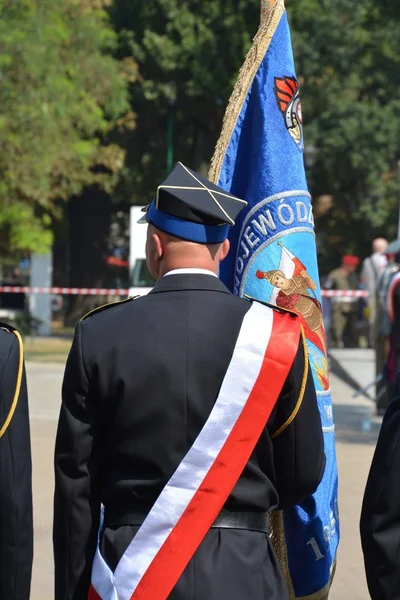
[[259, 157]]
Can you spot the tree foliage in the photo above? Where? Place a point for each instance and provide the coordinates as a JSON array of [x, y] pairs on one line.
[[347, 55], [188, 54], [64, 74], [60, 94]]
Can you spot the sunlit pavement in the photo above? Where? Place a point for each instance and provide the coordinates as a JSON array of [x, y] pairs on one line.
[[356, 438], [356, 433]]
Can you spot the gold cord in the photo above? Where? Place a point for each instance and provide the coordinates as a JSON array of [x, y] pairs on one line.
[[17, 387], [254, 58], [302, 389]]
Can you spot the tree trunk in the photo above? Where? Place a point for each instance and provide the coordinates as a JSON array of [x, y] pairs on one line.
[[61, 249], [89, 229]]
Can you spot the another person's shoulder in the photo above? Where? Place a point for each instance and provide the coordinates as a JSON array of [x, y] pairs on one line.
[[8, 339], [11, 351]]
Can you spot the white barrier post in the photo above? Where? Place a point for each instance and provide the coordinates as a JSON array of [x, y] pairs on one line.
[[40, 304]]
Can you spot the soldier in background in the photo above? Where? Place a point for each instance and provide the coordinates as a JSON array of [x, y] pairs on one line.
[[383, 330], [344, 309], [16, 523], [372, 268], [393, 307]]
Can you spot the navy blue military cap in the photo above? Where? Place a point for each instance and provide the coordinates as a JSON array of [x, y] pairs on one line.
[[190, 207]]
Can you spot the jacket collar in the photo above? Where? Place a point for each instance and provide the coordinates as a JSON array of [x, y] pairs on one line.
[[189, 281]]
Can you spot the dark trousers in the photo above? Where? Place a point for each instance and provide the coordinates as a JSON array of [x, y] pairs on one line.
[[230, 564]]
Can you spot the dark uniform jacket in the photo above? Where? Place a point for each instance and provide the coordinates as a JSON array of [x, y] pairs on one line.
[[141, 380], [380, 517], [16, 526], [394, 359]]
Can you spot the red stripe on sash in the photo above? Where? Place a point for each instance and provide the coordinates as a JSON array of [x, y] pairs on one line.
[[93, 595], [180, 546], [391, 296]]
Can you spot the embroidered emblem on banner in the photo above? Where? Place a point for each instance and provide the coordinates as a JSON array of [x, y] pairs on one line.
[[272, 239], [288, 98], [294, 290]]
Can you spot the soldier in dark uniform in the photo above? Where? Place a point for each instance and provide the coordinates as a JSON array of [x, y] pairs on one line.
[[380, 517], [16, 524], [393, 308], [140, 382]]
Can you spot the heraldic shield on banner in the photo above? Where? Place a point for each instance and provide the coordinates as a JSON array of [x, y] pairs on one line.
[[259, 157]]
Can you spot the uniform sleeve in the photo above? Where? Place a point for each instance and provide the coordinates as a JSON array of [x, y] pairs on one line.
[[77, 488], [16, 526], [329, 283], [366, 271], [396, 314], [380, 516], [296, 432]]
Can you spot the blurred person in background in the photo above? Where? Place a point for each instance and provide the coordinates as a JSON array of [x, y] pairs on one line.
[[16, 523], [393, 309], [344, 308], [372, 268], [383, 328]]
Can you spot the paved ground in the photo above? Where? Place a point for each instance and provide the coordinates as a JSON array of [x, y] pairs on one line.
[[356, 438], [355, 447]]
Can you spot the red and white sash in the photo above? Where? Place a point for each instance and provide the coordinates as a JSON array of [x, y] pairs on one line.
[[197, 491], [394, 282]]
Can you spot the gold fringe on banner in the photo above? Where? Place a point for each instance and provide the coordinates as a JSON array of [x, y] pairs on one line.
[[279, 544], [266, 5], [271, 18], [271, 14]]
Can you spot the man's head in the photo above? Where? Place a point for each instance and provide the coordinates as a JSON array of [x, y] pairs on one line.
[[350, 263], [165, 253], [189, 221], [379, 246]]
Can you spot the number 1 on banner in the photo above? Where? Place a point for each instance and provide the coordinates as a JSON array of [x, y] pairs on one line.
[[315, 547]]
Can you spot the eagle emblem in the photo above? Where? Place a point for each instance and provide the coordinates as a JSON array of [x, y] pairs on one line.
[[288, 99]]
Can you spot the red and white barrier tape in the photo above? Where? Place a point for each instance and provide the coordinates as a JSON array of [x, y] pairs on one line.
[[344, 293], [63, 290], [124, 292]]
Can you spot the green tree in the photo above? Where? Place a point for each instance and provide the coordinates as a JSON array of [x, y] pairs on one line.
[[188, 54], [61, 92], [348, 59], [347, 56]]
